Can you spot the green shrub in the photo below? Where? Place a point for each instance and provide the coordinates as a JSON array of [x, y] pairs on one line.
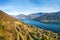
[[2, 38], [20, 38], [44, 38], [1, 27]]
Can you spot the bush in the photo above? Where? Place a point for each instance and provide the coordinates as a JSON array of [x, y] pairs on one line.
[[44, 38], [1, 27], [2, 38]]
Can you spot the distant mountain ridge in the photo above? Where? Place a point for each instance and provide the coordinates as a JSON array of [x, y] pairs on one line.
[[21, 16], [13, 29], [49, 17], [34, 15], [44, 17], [30, 16]]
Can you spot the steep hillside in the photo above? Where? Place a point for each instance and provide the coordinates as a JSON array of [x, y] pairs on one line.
[[12, 29]]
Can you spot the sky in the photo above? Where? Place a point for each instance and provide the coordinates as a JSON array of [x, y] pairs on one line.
[[15, 7]]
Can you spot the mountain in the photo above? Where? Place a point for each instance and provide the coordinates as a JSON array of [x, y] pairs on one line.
[[34, 15], [49, 17], [44, 17], [20, 16], [13, 29], [30, 16]]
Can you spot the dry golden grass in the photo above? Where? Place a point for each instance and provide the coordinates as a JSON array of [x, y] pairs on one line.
[[17, 30]]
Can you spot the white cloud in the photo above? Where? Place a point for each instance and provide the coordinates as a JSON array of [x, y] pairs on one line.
[[25, 7]]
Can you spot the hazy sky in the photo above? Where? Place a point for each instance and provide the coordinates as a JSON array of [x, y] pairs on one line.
[[15, 7]]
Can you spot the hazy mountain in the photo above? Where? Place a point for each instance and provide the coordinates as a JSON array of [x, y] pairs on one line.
[[13, 29], [45, 17], [49, 17], [20, 16], [30, 16], [34, 15]]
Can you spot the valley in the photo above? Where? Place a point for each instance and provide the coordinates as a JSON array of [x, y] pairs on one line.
[[14, 29]]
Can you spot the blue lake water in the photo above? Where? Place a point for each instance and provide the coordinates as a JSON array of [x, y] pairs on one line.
[[51, 27]]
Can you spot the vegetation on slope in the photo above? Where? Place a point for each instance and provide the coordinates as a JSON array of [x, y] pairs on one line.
[[12, 29]]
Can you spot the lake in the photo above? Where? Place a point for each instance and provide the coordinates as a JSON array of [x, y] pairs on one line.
[[45, 26]]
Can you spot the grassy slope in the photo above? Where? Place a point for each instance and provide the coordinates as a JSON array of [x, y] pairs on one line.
[[12, 29]]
